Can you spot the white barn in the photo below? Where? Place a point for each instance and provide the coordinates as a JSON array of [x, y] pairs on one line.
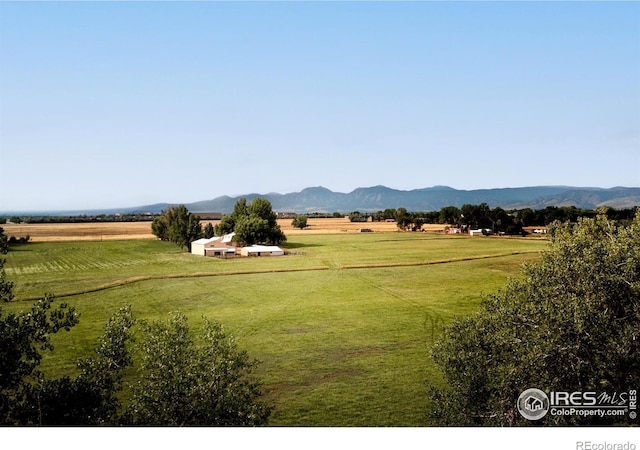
[[216, 246], [262, 250], [198, 247]]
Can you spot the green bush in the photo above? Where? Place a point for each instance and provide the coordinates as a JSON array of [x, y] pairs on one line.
[[571, 324]]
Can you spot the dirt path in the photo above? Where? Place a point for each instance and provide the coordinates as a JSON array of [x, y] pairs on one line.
[[137, 279]]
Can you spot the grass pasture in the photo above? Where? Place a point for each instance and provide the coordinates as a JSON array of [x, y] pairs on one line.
[[343, 329]]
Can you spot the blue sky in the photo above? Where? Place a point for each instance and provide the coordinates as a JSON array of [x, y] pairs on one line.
[[128, 103]]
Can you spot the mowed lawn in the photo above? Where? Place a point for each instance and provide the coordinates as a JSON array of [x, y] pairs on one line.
[[343, 329]]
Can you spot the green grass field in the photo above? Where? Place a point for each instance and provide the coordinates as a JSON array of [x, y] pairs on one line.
[[343, 329]]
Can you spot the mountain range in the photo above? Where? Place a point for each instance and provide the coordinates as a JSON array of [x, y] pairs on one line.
[[377, 198]]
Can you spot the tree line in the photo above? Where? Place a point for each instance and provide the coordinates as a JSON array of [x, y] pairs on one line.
[[82, 218], [451, 215], [497, 220]]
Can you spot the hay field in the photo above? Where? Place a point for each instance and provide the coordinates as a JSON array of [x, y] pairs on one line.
[[115, 231], [343, 225], [57, 232]]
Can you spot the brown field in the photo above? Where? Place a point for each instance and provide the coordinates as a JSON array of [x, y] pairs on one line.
[[333, 226], [51, 232]]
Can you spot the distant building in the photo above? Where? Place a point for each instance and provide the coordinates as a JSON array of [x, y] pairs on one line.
[[262, 250], [226, 247], [286, 215], [209, 215], [219, 246], [198, 246]]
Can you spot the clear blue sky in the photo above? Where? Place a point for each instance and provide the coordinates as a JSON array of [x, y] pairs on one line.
[[128, 103]]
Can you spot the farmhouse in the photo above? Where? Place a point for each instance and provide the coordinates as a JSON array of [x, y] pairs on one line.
[[262, 250], [220, 246], [225, 247]]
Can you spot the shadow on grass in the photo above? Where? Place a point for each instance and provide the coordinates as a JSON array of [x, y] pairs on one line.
[[295, 245], [19, 248]]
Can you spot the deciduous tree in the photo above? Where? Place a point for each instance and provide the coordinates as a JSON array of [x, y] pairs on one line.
[[228, 222], [300, 222], [91, 397], [572, 323], [177, 225], [209, 231], [449, 215], [253, 223], [4, 246], [159, 227], [181, 381], [6, 286], [403, 219], [184, 383], [23, 336]]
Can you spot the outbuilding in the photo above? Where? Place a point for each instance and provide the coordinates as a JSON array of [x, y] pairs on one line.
[[262, 250], [198, 247], [220, 246]]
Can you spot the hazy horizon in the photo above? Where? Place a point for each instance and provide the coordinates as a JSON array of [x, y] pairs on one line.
[[123, 207]]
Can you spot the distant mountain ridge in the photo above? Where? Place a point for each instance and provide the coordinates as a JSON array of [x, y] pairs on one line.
[[378, 198]]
